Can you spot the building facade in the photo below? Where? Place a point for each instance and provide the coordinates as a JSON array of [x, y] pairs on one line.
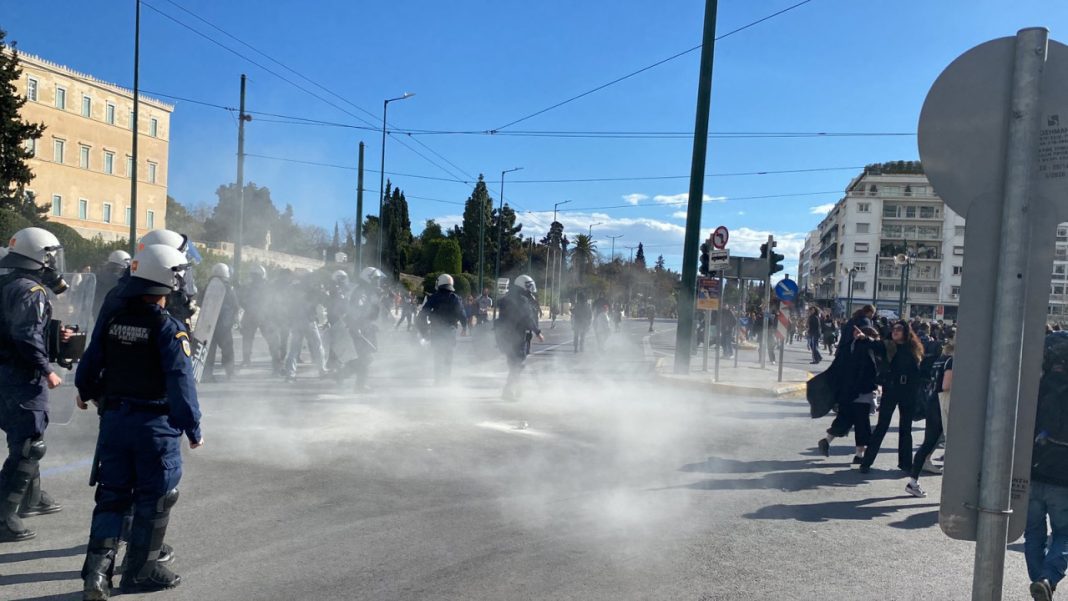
[[83, 161]]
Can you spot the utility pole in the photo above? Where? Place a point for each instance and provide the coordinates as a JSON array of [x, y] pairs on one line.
[[239, 240], [684, 333], [612, 257], [359, 213], [382, 174], [133, 127], [500, 231], [767, 306]]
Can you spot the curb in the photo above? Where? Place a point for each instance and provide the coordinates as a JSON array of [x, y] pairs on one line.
[[732, 389]]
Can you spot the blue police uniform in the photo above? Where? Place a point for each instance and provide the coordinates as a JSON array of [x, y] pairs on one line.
[[517, 321], [24, 369], [138, 367], [445, 311]]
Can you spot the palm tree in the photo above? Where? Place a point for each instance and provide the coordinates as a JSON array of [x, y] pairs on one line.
[[583, 254]]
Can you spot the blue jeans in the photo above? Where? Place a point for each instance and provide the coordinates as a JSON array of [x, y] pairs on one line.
[[1047, 552], [814, 346]]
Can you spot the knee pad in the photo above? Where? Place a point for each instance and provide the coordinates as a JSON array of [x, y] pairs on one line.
[[34, 450], [167, 501]]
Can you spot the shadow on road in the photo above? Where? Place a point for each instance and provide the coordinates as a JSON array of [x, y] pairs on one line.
[[74, 551], [716, 465], [766, 415], [39, 577], [794, 481], [59, 597], [918, 521], [842, 510]]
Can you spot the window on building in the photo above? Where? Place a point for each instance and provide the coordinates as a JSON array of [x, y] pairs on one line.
[[83, 209], [153, 127], [860, 286], [58, 147], [891, 231], [958, 230], [31, 89], [908, 190], [107, 212], [151, 173], [61, 98], [126, 217], [872, 191], [864, 207], [31, 146], [1059, 269], [910, 212], [863, 228], [87, 106], [129, 166], [958, 251], [928, 213], [83, 156], [954, 291], [861, 267], [958, 269], [57, 205], [1058, 289], [891, 190], [150, 219], [109, 113], [109, 162], [889, 210], [861, 248]]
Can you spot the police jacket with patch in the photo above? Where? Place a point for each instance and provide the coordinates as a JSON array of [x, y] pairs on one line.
[[1049, 461], [24, 315], [445, 311], [517, 315], [142, 358]]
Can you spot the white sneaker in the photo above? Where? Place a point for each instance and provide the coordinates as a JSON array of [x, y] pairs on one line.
[[931, 468], [915, 490]]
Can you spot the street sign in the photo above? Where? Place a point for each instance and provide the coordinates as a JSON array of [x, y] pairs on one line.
[[746, 268], [718, 258], [720, 237], [1009, 189], [502, 286], [708, 294], [783, 327], [786, 291]]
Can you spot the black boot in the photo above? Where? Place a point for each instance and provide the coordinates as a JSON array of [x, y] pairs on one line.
[[14, 491], [37, 501], [143, 572], [97, 569]]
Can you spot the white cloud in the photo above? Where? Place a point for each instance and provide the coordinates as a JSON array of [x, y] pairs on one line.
[[822, 209], [741, 212], [683, 198], [679, 215], [635, 198]]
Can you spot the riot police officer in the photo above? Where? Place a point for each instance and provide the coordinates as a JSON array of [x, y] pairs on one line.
[[361, 319], [253, 299], [222, 338], [26, 375], [140, 374], [517, 322], [109, 276], [441, 313]]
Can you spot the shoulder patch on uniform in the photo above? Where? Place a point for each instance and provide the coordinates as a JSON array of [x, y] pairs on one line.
[[188, 350], [37, 288], [181, 335]]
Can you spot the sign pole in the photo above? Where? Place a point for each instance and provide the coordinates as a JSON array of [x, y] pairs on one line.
[[708, 335], [782, 348], [719, 322], [1009, 312]]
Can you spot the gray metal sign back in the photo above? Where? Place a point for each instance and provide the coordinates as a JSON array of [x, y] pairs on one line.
[[963, 141], [746, 268]]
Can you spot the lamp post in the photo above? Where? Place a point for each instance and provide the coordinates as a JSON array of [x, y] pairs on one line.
[[500, 230], [851, 275], [589, 234], [382, 171], [904, 261], [612, 257], [559, 256]]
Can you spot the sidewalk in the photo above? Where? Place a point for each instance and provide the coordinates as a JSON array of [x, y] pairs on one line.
[[748, 379]]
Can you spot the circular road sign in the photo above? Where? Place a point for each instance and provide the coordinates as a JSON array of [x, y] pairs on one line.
[[720, 237]]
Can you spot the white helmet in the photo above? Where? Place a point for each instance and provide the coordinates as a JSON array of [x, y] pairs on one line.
[[372, 275], [221, 271], [157, 269], [526, 283], [120, 258], [445, 281], [258, 271], [32, 248], [340, 277], [172, 239]]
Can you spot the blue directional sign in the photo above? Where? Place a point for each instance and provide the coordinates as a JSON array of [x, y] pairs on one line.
[[786, 291]]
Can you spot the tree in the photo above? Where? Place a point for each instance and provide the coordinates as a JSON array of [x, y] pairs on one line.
[[15, 174], [511, 239], [639, 257], [477, 210], [659, 264], [396, 231], [260, 216], [583, 255], [447, 257], [180, 219]]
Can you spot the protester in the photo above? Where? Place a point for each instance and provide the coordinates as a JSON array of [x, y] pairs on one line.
[[935, 422], [857, 393], [904, 354], [813, 330]]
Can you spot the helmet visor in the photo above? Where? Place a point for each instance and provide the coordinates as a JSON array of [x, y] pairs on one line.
[[192, 253]]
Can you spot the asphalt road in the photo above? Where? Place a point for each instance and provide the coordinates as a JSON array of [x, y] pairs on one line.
[[599, 484]]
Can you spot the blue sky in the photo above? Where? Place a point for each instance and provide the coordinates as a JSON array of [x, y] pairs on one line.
[[829, 66]]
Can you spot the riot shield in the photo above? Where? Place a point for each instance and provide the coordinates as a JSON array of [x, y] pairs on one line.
[[74, 308]]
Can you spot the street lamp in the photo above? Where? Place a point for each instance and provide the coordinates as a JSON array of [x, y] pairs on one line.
[[500, 229], [589, 234], [382, 172], [559, 255], [612, 257], [851, 275], [904, 261]]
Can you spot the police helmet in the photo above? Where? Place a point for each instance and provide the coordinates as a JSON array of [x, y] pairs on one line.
[[445, 282], [526, 283], [120, 258], [372, 275], [258, 272], [172, 239], [221, 271], [340, 277], [157, 269], [32, 248]]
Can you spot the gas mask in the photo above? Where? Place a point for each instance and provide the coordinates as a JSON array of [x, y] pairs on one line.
[[51, 275]]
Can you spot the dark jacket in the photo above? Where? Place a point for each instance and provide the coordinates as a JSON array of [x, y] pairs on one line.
[[864, 363], [813, 325], [517, 315], [1049, 461], [902, 378], [445, 311], [24, 315]]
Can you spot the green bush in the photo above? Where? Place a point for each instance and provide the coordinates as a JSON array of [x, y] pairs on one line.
[[11, 222]]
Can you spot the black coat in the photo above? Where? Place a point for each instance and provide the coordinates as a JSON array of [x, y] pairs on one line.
[[1049, 461]]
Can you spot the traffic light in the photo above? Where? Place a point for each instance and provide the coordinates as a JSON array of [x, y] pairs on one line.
[[764, 251], [703, 269], [774, 261]]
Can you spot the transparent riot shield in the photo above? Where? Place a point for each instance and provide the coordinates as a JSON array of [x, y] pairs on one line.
[[74, 309]]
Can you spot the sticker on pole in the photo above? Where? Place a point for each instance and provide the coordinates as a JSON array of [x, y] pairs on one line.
[[720, 237]]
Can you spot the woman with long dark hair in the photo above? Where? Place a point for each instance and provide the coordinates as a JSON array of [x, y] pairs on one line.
[[859, 367], [901, 384]]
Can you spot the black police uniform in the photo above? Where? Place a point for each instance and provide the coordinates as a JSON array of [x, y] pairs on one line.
[[444, 310], [361, 318], [24, 367], [140, 372], [517, 321], [223, 337], [253, 299]]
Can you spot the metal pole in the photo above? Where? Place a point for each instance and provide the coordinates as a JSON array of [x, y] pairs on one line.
[[500, 231], [359, 213], [613, 256], [382, 183], [133, 127], [744, 289], [719, 323], [849, 298], [1009, 301], [764, 340], [901, 293], [684, 332], [905, 289], [782, 348], [240, 237], [708, 338], [481, 245]]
